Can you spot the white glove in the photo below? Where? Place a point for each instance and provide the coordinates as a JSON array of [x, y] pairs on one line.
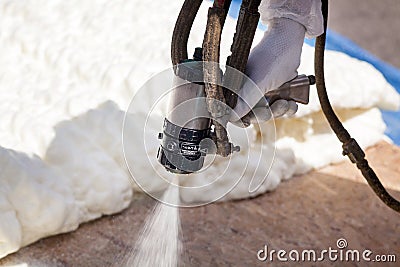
[[276, 58]]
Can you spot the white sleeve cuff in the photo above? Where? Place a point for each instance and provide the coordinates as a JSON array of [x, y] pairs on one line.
[[305, 12]]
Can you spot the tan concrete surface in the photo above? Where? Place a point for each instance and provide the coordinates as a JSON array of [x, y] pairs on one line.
[[371, 24], [307, 212]]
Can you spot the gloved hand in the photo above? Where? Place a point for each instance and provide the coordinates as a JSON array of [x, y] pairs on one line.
[[276, 58], [271, 63]]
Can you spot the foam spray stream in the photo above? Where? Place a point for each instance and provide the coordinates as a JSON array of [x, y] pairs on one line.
[[158, 243]]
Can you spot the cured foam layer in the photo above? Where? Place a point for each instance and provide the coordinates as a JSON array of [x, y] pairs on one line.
[[61, 155]]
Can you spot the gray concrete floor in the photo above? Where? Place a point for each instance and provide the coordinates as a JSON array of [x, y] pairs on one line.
[[372, 24]]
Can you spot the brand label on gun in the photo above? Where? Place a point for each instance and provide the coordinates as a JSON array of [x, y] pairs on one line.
[[189, 149]]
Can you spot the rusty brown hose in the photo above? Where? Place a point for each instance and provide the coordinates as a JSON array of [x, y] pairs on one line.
[[212, 75], [243, 39], [350, 146]]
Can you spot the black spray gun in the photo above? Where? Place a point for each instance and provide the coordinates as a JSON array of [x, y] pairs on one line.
[[203, 95], [198, 107], [189, 124]]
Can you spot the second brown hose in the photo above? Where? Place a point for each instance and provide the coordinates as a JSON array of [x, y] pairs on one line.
[[350, 146]]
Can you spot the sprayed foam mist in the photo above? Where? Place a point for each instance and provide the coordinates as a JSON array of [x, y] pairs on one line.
[[158, 243]]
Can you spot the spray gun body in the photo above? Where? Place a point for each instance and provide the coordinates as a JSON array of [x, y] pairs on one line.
[[194, 105], [188, 122]]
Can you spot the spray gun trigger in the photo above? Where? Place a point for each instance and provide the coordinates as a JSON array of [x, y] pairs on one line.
[[297, 90]]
